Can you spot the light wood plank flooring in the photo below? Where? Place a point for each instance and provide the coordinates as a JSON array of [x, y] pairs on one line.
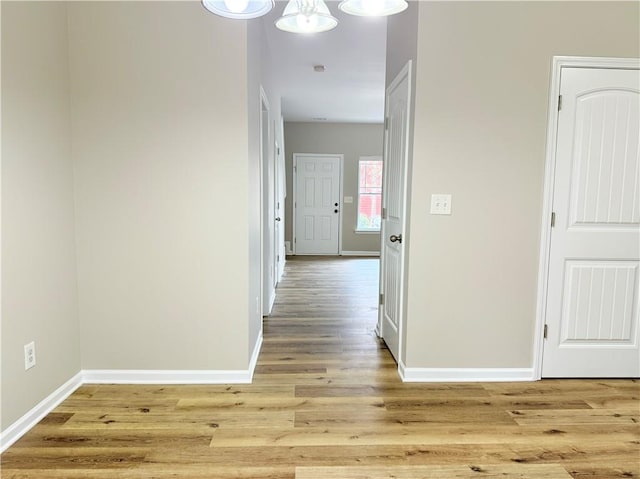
[[327, 403]]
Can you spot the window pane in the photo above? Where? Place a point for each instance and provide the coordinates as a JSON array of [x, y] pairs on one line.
[[369, 210], [370, 195]]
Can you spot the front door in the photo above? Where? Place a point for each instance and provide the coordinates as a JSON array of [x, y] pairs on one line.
[[393, 236], [317, 204], [592, 301]]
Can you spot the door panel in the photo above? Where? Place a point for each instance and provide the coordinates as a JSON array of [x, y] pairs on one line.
[[592, 303], [394, 200], [317, 204]]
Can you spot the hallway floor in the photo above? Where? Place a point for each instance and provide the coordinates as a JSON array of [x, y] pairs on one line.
[[327, 402]]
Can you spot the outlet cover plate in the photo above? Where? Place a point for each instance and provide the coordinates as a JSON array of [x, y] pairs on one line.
[[29, 355]]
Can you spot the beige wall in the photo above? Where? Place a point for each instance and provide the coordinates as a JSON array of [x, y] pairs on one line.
[[39, 294], [160, 135], [351, 139], [480, 127]]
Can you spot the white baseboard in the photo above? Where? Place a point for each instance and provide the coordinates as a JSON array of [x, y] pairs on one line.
[[171, 376], [35, 415], [178, 376], [270, 302], [360, 253], [441, 375], [254, 357]]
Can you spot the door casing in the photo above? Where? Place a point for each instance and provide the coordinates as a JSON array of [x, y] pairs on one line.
[[558, 63]]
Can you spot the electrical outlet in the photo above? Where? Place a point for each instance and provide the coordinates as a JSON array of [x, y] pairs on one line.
[[29, 355]]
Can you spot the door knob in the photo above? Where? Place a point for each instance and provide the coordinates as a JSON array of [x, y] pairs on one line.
[[278, 218], [394, 238], [336, 204], [335, 211]]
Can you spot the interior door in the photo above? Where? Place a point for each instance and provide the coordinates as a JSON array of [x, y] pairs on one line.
[[278, 201], [268, 214], [592, 302], [281, 182], [393, 235], [317, 204]]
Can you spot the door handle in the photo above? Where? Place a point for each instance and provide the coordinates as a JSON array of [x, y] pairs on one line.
[[278, 219], [335, 211], [394, 238]]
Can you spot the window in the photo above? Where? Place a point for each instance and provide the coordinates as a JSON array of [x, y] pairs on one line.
[[369, 194]]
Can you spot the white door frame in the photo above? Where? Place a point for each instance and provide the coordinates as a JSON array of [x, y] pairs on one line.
[[558, 63], [295, 194]]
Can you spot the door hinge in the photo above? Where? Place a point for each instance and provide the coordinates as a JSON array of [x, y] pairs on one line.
[[384, 213], [546, 330], [553, 219], [559, 102], [386, 123], [381, 299]]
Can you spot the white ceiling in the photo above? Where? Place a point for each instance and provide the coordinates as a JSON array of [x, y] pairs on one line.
[[352, 87]]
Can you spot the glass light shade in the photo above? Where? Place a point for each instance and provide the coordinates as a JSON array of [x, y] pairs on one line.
[[306, 16], [239, 9], [373, 8]]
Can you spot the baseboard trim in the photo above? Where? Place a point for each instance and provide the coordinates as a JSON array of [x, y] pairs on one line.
[[360, 253], [254, 357], [426, 375], [35, 415], [154, 376], [270, 303]]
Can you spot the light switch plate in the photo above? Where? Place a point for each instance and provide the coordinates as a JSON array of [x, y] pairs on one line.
[[440, 204], [348, 199]]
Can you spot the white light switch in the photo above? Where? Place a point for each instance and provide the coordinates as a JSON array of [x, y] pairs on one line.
[[348, 199], [440, 204]]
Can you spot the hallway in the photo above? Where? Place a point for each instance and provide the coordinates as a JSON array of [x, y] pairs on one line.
[[324, 318], [327, 402]]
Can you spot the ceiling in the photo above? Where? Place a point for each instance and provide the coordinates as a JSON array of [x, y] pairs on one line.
[[351, 89]]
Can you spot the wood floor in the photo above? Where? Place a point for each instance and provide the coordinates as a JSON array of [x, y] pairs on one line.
[[327, 403]]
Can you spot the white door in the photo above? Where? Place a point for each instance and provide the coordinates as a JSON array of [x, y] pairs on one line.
[[279, 217], [317, 204], [281, 188], [592, 299], [394, 201], [268, 214]]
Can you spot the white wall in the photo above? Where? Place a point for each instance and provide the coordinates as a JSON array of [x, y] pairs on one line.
[[353, 140], [480, 126], [39, 294], [160, 134]]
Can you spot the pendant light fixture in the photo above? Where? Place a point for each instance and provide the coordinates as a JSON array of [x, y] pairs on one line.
[[373, 8], [306, 16], [239, 9]]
